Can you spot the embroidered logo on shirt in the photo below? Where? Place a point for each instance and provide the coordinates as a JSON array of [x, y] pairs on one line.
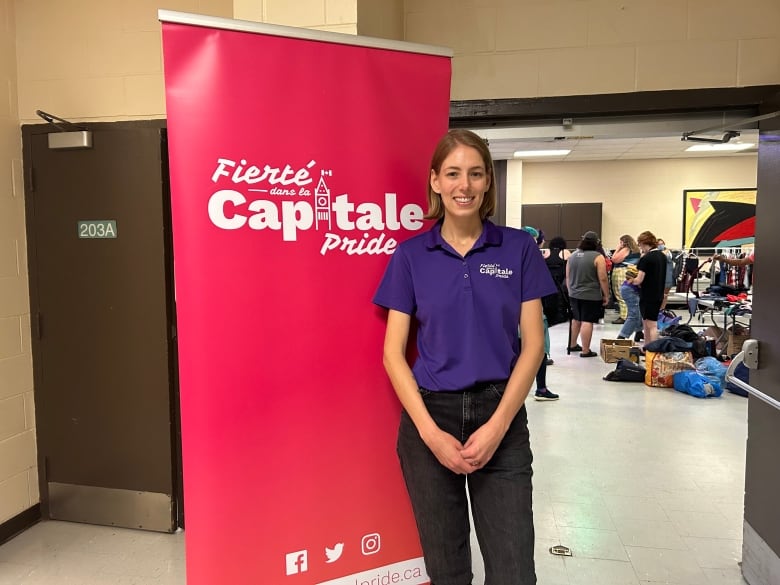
[[495, 270]]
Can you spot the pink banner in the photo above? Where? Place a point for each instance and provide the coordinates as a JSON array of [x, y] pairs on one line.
[[296, 167]]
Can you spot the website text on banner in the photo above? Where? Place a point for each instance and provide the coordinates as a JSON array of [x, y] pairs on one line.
[[296, 168]]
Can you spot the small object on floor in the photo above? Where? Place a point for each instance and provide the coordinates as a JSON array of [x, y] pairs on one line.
[[550, 361], [589, 354], [573, 348], [545, 394], [560, 550], [618, 321]]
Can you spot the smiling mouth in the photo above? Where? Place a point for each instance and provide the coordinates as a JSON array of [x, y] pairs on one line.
[[463, 199]]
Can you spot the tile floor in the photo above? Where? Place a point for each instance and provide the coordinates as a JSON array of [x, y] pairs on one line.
[[644, 485]]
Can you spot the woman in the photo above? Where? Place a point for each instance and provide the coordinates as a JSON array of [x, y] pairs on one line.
[[651, 276], [630, 293], [626, 253], [542, 392], [557, 249], [557, 306], [586, 278], [464, 423]]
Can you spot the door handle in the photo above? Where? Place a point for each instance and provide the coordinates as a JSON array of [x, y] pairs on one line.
[[749, 355]]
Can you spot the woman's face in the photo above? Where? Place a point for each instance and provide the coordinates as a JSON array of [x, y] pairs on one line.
[[461, 182]]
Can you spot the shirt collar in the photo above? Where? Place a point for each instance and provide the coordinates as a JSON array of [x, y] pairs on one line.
[[491, 236]]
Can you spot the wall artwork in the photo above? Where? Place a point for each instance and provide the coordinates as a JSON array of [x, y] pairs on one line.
[[718, 218]]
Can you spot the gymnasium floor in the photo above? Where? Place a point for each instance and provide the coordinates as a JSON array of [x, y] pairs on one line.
[[645, 486]]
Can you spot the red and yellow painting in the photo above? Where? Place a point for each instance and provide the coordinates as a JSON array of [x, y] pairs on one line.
[[719, 218]]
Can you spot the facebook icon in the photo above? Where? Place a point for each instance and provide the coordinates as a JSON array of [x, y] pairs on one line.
[[297, 562]]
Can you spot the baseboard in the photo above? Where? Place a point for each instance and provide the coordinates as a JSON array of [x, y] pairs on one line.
[[760, 564], [19, 523]]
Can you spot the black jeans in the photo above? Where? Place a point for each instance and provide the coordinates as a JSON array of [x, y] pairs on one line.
[[500, 493]]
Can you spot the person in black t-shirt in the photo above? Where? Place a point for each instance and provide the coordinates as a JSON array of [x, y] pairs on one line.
[[651, 279]]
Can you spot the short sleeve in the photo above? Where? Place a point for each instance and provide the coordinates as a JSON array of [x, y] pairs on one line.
[[537, 280], [396, 289]]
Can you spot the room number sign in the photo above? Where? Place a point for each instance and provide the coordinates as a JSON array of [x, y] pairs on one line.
[[97, 228]]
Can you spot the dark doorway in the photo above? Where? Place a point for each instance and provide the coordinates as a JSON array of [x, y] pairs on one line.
[[103, 344], [569, 220]]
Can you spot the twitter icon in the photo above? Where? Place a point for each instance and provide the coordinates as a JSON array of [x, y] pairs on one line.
[[333, 554]]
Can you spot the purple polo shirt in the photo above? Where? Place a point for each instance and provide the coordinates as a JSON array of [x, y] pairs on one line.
[[467, 309]]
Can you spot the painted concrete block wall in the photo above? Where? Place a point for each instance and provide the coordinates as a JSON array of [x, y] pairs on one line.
[[100, 62], [381, 18], [104, 67], [18, 465], [328, 15], [533, 48]]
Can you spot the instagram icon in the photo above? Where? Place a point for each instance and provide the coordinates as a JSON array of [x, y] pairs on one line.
[[370, 544]]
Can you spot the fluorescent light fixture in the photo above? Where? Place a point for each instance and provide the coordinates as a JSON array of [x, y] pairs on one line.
[[530, 153], [728, 146]]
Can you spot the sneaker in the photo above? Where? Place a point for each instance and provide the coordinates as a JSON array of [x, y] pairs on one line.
[[545, 394], [550, 361]]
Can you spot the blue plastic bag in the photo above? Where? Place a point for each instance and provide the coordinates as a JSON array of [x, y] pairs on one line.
[[696, 384], [667, 319], [712, 369]]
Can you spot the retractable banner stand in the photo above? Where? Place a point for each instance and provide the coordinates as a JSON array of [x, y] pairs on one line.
[[298, 161]]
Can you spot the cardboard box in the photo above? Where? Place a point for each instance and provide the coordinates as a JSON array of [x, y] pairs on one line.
[[737, 334], [735, 342], [614, 349]]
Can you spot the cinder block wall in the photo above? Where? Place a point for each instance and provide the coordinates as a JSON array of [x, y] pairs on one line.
[[18, 466], [532, 48]]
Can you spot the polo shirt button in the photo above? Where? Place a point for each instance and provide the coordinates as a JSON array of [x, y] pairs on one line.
[[465, 276]]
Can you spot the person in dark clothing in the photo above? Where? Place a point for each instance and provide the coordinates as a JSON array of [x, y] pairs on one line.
[[542, 392], [556, 307], [651, 278]]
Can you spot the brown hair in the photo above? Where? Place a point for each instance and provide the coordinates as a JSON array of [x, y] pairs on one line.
[[648, 239], [447, 144], [629, 241]]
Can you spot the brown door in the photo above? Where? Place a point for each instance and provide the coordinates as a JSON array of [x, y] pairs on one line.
[[569, 220], [761, 544], [100, 291]]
